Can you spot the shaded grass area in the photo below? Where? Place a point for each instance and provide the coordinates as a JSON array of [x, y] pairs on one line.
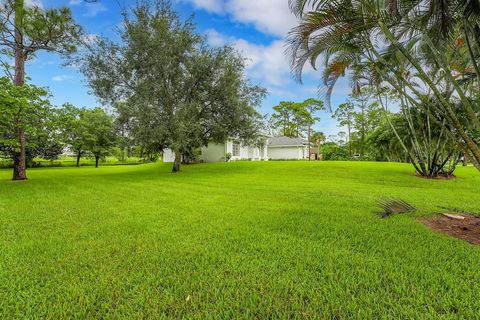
[[242, 239]]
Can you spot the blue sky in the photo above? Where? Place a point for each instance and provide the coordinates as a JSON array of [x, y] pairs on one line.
[[257, 28]]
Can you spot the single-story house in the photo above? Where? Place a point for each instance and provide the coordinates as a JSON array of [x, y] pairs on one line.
[[219, 152], [280, 148], [286, 148]]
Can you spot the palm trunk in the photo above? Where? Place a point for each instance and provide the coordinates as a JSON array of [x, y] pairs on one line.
[[177, 162], [122, 153], [470, 145], [308, 138], [349, 142]]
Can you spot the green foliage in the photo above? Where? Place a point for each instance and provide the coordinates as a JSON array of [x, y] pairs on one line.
[[99, 134], [41, 29], [188, 94], [294, 119], [418, 50], [68, 161], [332, 151], [26, 107], [73, 127], [361, 115], [280, 239], [25, 30]]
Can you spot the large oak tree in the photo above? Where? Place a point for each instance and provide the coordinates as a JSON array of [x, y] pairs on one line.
[[181, 93]]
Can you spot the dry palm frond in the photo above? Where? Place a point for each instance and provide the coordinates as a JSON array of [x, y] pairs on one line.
[[393, 206]]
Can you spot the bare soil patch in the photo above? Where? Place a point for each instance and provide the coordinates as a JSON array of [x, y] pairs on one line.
[[467, 229], [440, 176]]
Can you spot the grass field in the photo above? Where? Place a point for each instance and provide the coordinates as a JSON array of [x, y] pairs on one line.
[[64, 161], [234, 240]]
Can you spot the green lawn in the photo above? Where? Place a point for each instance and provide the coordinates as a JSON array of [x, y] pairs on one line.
[[233, 240]]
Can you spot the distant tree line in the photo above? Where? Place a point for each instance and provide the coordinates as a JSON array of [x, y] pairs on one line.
[[164, 87]]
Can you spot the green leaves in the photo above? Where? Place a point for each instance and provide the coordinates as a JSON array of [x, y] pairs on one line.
[[98, 131], [293, 119], [26, 107], [40, 29], [175, 91]]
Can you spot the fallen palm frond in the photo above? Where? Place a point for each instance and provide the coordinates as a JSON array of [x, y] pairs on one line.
[[394, 206]]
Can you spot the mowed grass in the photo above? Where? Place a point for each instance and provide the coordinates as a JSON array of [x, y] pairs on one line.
[[234, 240]]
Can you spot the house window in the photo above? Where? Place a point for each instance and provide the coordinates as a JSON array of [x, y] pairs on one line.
[[236, 149]]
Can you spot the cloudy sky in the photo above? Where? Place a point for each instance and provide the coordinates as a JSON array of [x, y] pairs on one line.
[[257, 28]]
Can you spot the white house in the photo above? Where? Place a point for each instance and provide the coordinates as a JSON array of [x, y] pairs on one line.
[[280, 148], [217, 152], [285, 148]]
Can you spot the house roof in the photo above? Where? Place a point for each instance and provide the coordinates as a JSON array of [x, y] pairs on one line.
[[286, 142]]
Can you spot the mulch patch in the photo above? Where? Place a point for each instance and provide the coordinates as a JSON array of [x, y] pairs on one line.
[[467, 229]]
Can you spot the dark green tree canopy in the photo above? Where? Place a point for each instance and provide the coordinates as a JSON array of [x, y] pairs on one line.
[[295, 119], [181, 93], [28, 107]]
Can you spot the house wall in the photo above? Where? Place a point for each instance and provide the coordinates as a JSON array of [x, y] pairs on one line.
[[215, 152], [243, 151], [247, 152], [292, 153], [168, 155]]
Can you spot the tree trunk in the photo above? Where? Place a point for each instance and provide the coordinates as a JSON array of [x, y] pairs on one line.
[[349, 142], [79, 154], [122, 153], [177, 162], [19, 158], [308, 138], [97, 158]]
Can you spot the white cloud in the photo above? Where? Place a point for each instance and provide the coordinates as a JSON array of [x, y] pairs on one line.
[[268, 16], [60, 78], [94, 8], [91, 8], [34, 3], [267, 63], [273, 16], [209, 5], [217, 39]]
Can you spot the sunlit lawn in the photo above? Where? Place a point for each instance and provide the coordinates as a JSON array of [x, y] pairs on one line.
[[233, 240]]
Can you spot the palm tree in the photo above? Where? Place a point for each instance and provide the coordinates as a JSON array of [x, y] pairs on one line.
[[318, 138], [380, 42]]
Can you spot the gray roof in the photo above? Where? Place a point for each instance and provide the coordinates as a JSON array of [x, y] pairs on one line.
[[286, 142]]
